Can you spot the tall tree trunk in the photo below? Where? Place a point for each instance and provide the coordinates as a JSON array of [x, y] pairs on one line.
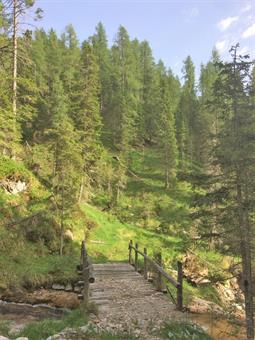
[[244, 233], [81, 190], [15, 57], [62, 221]]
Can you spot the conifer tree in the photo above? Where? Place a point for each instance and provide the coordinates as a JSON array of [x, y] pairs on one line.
[[102, 53], [149, 92], [187, 122], [166, 126], [208, 115], [125, 92], [235, 157], [64, 145], [87, 118]]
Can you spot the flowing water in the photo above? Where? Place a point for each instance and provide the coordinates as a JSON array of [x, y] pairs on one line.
[[218, 327], [19, 315]]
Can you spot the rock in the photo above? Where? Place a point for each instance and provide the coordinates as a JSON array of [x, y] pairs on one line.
[[68, 288], [84, 329], [53, 298], [22, 338], [12, 186], [66, 334], [202, 306], [57, 286], [15, 328], [77, 289], [3, 337], [69, 234]]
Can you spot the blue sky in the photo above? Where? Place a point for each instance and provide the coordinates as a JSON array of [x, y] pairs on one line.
[[173, 28]]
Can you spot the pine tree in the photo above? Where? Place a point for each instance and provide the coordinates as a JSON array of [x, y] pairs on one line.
[[166, 125], [87, 117], [102, 53], [63, 143], [208, 115], [125, 92], [187, 118], [148, 94], [235, 157]]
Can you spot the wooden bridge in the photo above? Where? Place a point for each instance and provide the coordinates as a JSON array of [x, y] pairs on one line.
[[125, 295]]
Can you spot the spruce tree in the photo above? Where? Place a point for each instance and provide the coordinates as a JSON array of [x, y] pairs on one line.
[[87, 116], [187, 118], [125, 92], [63, 143], [166, 126], [148, 94], [102, 53], [235, 158]]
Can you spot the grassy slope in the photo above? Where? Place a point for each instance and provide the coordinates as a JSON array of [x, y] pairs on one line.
[[109, 239], [23, 262], [145, 209], [152, 216]]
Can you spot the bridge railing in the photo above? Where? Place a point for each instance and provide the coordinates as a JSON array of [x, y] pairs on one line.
[[87, 272], [157, 265]]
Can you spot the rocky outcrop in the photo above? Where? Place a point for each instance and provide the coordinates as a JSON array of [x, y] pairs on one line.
[[13, 186], [195, 271], [59, 299], [201, 306]]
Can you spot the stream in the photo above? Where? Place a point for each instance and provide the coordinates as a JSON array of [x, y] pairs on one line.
[[21, 314], [219, 327]]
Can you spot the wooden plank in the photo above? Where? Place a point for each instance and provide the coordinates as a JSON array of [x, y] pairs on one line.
[[155, 265]]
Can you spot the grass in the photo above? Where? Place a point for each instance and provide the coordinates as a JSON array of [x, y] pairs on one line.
[[4, 327], [180, 330], [42, 329], [109, 240], [23, 263]]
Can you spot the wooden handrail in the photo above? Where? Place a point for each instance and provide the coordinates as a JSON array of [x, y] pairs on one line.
[[87, 272], [178, 284]]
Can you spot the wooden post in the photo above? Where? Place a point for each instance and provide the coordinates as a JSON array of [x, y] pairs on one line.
[[179, 287], [145, 264], [130, 251], [136, 257], [159, 281], [85, 269]]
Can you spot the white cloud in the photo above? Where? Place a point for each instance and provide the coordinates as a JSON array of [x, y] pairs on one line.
[[246, 8], [249, 32], [244, 50], [224, 24], [221, 45]]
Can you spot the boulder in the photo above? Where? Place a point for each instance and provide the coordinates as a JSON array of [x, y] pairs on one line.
[[57, 286], [195, 271], [54, 298], [201, 306], [68, 288], [69, 235]]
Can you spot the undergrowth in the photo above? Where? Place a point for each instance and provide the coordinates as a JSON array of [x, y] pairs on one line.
[[42, 329], [181, 330]]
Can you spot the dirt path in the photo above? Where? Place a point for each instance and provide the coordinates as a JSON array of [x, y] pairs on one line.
[[127, 303]]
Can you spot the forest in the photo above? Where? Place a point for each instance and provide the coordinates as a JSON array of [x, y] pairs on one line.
[[109, 127]]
